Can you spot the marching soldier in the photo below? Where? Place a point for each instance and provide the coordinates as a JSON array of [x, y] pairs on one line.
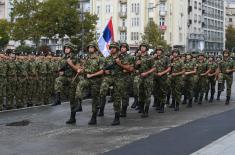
[[226, 68], [190, 71], [3, 80], [177, 70], [162, 66], [92, 70], [145, 68], [67, 75], [212, 77]]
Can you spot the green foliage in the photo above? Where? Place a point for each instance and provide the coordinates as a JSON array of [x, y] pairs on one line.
[[24, 49], [32, 19], [4, 33], [230, 37], [153, 35]]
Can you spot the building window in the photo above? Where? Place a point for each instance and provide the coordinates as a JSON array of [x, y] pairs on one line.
[[230, 20], [107, 8], [195, 5], [134, 36], [98, 10], [162, 21], [150, 8]]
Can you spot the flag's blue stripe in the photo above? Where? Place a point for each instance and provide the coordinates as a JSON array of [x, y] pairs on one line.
[[107, 34]]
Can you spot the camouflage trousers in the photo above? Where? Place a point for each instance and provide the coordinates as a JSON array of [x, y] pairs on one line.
[[160, 88], [44, 89], [11, 91], [176, 85], [211, 84], [127, 89], [31, 89], [143, 90], [21, 91], [228, 78], [94, 85], [188, 87], [118, 90], [201, 86], [3, 83], [61, 81]]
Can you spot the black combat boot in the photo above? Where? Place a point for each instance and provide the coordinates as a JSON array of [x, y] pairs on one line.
[[116, 120], [124, 109], [145, 112], [177, 106], [218, 95], [72, 119], [190, 103], [102, 106], [57, 99], [135, 103], [227, 100], [93, 119], [78, 107], [162, 108], [172, 103], [168, 99], [158, 105]]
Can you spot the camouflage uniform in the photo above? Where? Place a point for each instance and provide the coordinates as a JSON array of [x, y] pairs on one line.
[[212, 79], [202, 80], [91, 65], [144, 85], [11, 83], [3, 82], [189, 81], [160, 83], [176, 81], [228, 77]]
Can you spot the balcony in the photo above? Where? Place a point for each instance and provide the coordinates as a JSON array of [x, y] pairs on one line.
[[122, 14], [122, 28], [123, 1]]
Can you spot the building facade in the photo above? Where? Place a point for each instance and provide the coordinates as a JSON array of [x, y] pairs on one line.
[[214, 25], [230, 15]]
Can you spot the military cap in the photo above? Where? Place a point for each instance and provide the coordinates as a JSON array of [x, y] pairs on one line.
[[125, 45], [226, 51], [92, 44], [201, 54], [70, 45], [114, 45], [145, 45], [175, 51]]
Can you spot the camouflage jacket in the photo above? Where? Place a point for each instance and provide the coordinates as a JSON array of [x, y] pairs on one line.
[[161, 63], [93, 64]]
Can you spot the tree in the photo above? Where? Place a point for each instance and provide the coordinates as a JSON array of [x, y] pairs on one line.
[[230, 37], [88, 35], [24, 49], [25, 21], [4, 33], [153, 35]]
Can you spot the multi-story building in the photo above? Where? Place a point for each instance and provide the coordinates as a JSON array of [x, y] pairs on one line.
[[130, 17], [214, 25], [195, 34], [230, 15]]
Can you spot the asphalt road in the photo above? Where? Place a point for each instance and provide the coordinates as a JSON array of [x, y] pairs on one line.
[[45, 131]]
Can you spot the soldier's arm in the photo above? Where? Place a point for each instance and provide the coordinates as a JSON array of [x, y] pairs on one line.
[[192, 72], [101, 72]]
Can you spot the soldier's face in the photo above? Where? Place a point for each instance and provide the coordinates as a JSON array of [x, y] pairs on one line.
[[113, 50], [188, 57], [123, 49], [175, 54], [67, 50], [91, 49], [143, 49], [226, 54], [159, 52]]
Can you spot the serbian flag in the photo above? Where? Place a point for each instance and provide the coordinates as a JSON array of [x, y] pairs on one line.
[[106, 38]]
